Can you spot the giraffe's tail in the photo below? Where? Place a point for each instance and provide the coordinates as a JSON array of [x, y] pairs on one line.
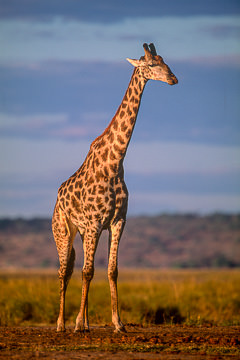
[[70, 265]]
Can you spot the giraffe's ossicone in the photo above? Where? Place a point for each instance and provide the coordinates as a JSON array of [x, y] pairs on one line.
[[95, 197]]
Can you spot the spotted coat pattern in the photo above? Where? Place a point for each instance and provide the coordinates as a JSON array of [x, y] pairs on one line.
[[95, 197]]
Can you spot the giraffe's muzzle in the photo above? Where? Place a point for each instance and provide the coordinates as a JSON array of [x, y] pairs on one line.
[[172, 80]]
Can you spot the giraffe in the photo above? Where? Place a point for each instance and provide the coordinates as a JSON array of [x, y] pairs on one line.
[[95, 197]]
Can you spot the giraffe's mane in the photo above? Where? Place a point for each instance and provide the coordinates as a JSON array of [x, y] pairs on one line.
[[105, 131], [111, 122]]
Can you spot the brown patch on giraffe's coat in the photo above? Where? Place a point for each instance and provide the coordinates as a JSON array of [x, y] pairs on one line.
[[77, 194], [115, 125], [128, 134], [118, 190], [117, 148], [90, 180], [75, 204], [129, 112], [106, 172], [111, 138], [122, 113], [99, 175], [113, 167], [100, 206], [132, 120], [112, 156], [112, 203], [84, 195], [103, 143], [123, 126], [98, 200], [97, 163], [97, 217], [120, 139], [78, 184], [119, 200], [90, 217], [105, 155], [140, 86], [101, 189]]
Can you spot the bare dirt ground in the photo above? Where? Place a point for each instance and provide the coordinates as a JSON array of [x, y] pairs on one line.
[[155, 342]]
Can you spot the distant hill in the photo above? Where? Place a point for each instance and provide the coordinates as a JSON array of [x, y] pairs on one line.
[[148, 241]]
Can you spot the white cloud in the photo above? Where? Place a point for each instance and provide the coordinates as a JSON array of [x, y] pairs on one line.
[[178, 38], [18, 122]]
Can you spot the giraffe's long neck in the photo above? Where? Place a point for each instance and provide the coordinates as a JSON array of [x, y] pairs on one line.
[[115, 139]]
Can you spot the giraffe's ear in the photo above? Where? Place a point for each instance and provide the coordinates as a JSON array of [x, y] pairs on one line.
[[136, 63]]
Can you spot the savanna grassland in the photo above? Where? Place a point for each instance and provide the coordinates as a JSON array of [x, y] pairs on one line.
[[166, 312], [189, 312], [193, 297]]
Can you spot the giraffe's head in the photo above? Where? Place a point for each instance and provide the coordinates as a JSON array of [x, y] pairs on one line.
[[153, 67]]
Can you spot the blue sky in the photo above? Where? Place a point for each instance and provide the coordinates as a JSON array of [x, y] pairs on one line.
[[63, 74]]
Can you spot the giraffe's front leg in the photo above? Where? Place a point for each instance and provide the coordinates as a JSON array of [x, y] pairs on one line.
[[114, 239], [82, 318], [90, 242]]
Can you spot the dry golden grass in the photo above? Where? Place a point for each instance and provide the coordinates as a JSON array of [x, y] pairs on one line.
[[145, 296]]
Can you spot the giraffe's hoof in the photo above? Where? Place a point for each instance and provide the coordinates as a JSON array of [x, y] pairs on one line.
[[61, 329], [60, 325], [80, 330], [120, 330]]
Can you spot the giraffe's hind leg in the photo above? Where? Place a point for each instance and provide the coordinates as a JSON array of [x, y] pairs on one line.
[[64, 233]]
